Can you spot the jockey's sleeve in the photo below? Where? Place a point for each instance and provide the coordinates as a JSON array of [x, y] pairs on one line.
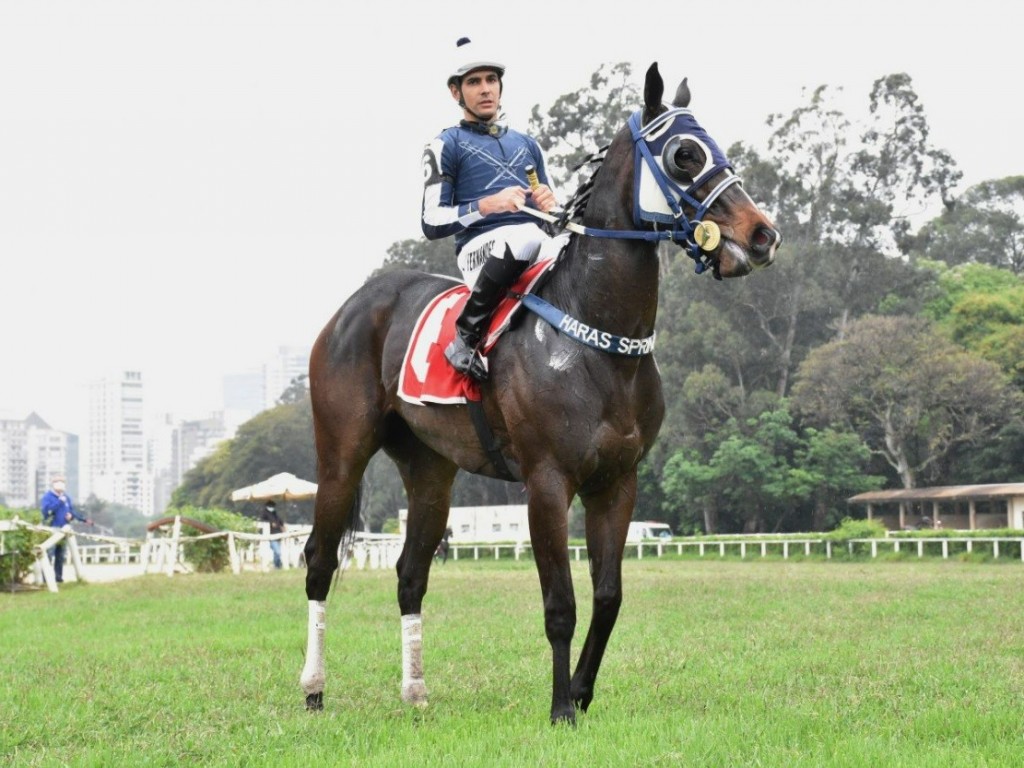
[[441, 217]]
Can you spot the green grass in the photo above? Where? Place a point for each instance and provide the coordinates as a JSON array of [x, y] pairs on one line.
[[712, 664]]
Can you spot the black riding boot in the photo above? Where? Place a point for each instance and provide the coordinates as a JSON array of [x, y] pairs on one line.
[[495, 277]]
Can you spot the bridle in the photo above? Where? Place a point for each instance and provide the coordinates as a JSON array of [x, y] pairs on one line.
[[699, 238]]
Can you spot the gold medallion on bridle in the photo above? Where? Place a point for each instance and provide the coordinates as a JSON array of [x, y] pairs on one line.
[[707, 235]]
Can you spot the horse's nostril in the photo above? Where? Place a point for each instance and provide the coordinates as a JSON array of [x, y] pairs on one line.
[[764, 238]]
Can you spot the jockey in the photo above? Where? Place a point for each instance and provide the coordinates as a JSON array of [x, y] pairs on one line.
[[475, 183]]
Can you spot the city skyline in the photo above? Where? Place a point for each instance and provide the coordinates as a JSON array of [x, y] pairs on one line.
[[183, 215], [73, 410], [129, 452]]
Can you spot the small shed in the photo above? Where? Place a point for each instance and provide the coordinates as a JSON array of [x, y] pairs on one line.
[[960, 507]]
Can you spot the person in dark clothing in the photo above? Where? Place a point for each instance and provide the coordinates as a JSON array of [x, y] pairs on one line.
[[276, 526], [58, 511]]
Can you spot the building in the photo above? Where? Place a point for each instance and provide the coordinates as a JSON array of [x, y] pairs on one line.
[[116, 467], [244, 397], [251, 392], [957, 507], [280, 371], [32, 453], [484, 525]]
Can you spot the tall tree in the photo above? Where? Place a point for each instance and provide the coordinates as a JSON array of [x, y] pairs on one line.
[[277, 440], [911, 394], [762, 473], [434, 256], [982, 309], [985, 226], [579, 123]]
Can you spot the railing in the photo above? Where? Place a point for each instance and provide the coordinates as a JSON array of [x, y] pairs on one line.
[[759, 546], [164, 554]]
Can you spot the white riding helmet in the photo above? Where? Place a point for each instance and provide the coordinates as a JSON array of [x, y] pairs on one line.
[[468, 56]]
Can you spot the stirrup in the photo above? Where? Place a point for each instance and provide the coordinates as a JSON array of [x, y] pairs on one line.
[[467, 361]]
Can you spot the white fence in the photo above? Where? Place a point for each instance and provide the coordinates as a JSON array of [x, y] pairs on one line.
[[113, 557], [163, 553], [756, 546]]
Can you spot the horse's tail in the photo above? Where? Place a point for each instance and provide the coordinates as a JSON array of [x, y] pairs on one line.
[[348, 537]]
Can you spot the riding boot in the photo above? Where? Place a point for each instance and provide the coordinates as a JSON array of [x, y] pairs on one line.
[[494, 280]]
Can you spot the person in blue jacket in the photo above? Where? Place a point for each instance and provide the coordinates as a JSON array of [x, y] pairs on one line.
[[475, 184], [58, 511]]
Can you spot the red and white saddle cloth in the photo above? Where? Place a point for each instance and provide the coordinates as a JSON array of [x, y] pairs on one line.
[[427, 377]]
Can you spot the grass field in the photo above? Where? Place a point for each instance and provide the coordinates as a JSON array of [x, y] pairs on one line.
[[712, 664]]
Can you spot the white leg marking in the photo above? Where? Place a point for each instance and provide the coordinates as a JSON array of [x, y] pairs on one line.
[[313, 672], [414, 690]]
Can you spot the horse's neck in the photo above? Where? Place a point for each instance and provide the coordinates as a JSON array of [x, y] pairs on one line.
[[612, 284]]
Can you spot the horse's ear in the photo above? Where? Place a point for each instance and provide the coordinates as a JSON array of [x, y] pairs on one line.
[[682, 98], [654, 90]]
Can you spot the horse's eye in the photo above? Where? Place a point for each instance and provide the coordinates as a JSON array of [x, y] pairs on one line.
[[682, 159]]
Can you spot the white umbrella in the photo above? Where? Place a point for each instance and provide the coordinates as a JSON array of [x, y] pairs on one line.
[[284, 486]]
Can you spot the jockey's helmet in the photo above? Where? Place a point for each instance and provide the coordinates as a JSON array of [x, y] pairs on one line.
[[469, 56]]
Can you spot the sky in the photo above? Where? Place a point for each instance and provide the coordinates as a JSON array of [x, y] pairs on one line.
[[186, 185]]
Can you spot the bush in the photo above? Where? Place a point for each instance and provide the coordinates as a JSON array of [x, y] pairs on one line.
[[212, 555], [19, 544], [857, 529]]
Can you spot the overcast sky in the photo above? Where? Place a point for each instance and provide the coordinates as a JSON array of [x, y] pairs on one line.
[[186, 185]]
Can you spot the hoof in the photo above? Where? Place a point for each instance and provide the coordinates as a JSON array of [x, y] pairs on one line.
[[415, 694], [315, 702], [562, 716]]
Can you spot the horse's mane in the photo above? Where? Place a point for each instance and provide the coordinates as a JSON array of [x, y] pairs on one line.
[[577, 203]]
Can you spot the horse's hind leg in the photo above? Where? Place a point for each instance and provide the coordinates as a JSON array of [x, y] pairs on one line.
[[607, 522], [428, 481]]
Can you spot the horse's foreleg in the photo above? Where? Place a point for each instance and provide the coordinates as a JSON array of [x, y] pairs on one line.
[[428, 480], [607, 522], [549, 536]]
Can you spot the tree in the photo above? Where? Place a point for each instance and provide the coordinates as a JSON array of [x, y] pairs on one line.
[[764, 474], [296, 391], [832, 466], [579, 123], [277, 440], [982, 309], [986, 226], [434, 256], [910, 393]]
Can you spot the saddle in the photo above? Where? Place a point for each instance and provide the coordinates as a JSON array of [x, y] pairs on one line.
[[426, 376]]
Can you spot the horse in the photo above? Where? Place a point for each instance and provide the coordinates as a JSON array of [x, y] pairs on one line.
[[568, 419]]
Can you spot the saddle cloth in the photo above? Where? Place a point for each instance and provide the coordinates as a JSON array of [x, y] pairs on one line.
[[426, 376]]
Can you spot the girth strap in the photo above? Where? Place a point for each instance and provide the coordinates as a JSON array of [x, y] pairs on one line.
[[487, 440]]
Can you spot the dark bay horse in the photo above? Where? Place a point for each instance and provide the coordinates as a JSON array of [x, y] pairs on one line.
[[569, 419]]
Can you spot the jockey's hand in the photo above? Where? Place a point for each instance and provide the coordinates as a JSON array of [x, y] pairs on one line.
[[543, 198], [509, 200]]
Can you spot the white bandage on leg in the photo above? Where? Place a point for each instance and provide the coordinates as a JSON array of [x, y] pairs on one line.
[[313, 671], [414, 690]]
